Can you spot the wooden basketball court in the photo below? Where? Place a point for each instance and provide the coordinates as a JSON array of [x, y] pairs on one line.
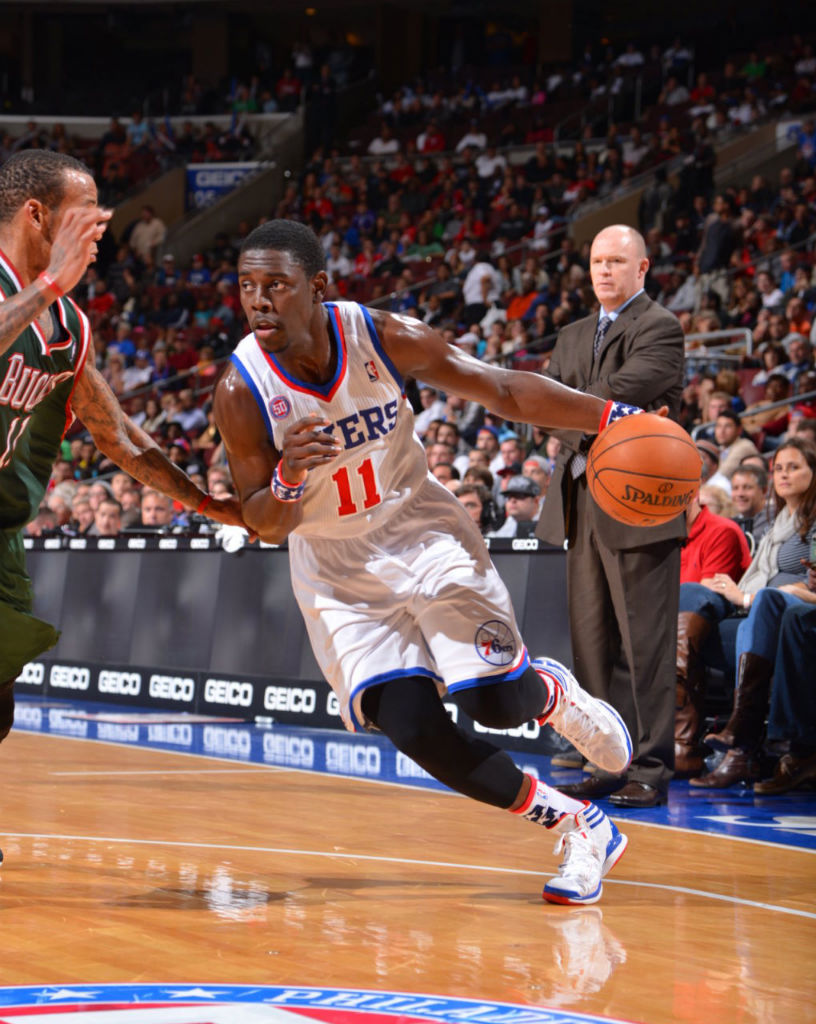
[[133, 865]]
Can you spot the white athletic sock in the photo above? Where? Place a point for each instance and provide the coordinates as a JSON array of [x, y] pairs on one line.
[[547, 806]]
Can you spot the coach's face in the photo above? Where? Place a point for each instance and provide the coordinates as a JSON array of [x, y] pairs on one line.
[[617, 266], [281, 303]]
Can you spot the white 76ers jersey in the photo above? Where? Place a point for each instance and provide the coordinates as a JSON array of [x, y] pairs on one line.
[[382, 462]]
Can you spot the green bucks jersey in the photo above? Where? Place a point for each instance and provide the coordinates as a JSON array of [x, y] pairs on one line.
[[38, 374]]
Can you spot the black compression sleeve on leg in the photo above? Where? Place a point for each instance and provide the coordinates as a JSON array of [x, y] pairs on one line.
[[506, 704], [411, 714]]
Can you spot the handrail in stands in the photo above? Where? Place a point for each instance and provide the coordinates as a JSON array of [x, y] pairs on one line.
[[765, 407], [729, 332]]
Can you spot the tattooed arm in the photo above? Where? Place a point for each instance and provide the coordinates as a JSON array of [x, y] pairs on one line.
[[73, 248], [135, 451], [17, 312]]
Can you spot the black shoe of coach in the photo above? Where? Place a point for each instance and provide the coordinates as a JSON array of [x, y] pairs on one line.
[[595, 787]]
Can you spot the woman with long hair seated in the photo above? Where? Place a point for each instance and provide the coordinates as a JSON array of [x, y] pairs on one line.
[[775, 580]]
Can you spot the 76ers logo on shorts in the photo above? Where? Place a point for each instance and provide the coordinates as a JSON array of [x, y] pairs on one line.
[[495, 643], [280, 407]]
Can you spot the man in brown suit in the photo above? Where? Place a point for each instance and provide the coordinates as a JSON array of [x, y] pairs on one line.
[[622, 581]]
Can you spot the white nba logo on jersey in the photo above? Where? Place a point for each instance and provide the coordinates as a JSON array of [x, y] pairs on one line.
[[371, 370]]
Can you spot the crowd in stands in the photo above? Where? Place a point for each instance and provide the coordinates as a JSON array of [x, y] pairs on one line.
[[478, 245], [134, 149]]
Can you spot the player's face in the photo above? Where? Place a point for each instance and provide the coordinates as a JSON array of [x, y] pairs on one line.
[[79, 191], [279, 300], [616, 267]]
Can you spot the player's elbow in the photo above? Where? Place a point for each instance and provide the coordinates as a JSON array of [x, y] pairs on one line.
[[271, 530]]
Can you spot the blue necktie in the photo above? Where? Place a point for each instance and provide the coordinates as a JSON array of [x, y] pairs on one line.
[[600, 333]]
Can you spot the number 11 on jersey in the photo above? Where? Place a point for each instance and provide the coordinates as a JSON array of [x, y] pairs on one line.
[[371, 497]]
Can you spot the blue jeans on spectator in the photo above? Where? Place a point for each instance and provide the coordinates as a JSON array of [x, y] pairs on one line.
[[719, 648], [793, 695], [759, 633]]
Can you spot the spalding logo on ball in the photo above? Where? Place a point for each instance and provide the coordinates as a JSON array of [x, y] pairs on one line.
[[643, 470]]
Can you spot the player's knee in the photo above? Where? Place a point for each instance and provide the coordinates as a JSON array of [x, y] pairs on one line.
[[415, 737], [507, 704], [6, 708]]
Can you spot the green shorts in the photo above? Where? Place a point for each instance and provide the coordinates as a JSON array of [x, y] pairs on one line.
[[22, 636]]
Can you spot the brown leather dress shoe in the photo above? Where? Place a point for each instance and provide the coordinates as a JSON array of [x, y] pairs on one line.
[[736, 766], [789, 773], [638, 794], [687, 761], [593, 788]]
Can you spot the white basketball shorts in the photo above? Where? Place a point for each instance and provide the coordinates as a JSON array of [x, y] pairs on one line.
[[416, 596]]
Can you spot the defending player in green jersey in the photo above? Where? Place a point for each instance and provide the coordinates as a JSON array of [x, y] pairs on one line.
[[50, 223]]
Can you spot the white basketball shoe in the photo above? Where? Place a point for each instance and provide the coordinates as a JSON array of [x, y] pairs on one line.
[[592, 726], [592, 846]]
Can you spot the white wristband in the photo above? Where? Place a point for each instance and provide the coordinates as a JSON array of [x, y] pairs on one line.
[[746, 601]]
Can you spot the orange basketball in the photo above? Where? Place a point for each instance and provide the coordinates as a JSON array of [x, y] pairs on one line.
[[643, 470]]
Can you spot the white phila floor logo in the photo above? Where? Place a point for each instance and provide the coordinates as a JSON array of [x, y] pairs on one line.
[[260, 1004]]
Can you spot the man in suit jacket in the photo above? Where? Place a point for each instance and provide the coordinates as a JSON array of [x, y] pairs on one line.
[[622, 581]]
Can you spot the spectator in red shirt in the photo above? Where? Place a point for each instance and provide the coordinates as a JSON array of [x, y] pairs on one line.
[[431, 140], [703, 92], [366, 259], [100, 305], [287, 91], [318, 207], [183, 357], [715, 545]]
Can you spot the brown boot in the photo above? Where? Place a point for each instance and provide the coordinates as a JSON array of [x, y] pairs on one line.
[[744, 727], [692, 629], [737, 766], [790, 773]]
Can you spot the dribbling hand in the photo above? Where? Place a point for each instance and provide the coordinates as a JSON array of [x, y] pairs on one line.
[[75, 244]]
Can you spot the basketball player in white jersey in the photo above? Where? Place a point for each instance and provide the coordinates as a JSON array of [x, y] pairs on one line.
[[401, 601]]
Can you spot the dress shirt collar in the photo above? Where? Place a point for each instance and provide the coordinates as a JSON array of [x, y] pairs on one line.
[[615, 313]]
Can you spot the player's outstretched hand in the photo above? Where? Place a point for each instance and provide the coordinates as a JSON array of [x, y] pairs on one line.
[[307, 444], [74, 246]]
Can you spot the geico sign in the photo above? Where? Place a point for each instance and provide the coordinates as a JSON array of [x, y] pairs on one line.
[[68, 677], [294, 750], [178, 688], [28, 717], [220, 740], [220, 178], [352, 758], [332, 705], [127, 684], [285, 698], [33, 674], [226, 691], [528, 731], [181, 735]]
